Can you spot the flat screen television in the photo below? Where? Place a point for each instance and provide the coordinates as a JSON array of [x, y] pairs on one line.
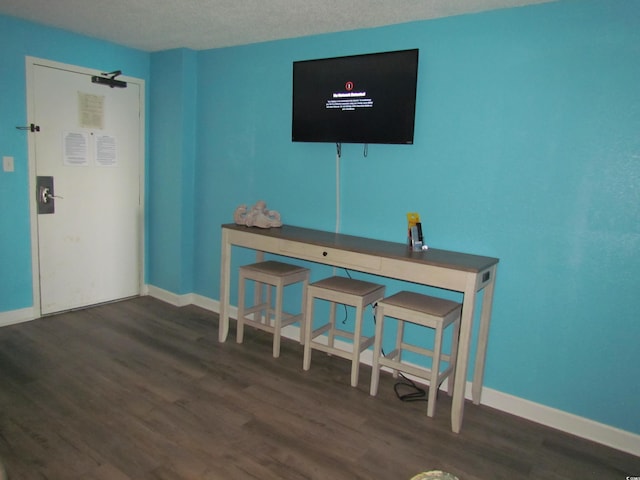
[[368, 98]]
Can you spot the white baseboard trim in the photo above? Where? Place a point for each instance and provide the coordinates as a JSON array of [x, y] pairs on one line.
[[169, 297], [17, 316], [212, 305], [567, 422]]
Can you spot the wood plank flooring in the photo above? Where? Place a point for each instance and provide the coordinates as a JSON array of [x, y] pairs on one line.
[[141, 390]]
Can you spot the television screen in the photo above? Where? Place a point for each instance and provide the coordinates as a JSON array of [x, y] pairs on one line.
[[367, 98]]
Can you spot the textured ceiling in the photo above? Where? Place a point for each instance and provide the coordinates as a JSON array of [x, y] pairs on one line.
[[154, 25]]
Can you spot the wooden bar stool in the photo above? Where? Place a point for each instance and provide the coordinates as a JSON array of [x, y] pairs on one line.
[[432, 312], [344, 291], [262, 314]]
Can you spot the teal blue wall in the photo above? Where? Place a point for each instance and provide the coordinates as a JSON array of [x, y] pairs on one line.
[[17, 40], [527, 149], [171, 174]]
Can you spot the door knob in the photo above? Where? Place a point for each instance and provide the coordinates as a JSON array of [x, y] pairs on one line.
[[46, 195]]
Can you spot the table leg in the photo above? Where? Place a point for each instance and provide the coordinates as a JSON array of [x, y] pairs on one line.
[[462, 363], [257, 289], [225, 282], [483, 339]]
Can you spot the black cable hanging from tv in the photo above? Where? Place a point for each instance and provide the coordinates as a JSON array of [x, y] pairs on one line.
[[366, 150], [339, 149]]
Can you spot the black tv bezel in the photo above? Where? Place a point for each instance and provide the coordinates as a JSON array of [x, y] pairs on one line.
[[366, 137]]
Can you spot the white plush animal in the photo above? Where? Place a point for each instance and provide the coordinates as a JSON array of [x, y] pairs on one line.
[[258, 216]]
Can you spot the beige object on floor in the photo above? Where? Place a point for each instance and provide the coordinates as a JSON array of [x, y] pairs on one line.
[[434, 475], [263, 314], [344, 291], [432, 312]]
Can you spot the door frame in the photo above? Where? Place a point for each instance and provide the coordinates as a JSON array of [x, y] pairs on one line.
[[31, 63]]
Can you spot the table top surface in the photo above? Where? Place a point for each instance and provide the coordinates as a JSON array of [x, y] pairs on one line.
[[392, 250]]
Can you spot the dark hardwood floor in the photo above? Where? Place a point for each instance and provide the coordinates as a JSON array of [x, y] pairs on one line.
[[143, 390]]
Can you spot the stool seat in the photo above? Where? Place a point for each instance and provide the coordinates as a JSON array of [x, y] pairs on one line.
[[348, 286], [422, 304], [432, 312], [344, 291], [273, 268], [263, 314]]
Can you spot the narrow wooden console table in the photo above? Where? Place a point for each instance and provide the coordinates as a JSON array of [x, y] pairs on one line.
[[454, 271]]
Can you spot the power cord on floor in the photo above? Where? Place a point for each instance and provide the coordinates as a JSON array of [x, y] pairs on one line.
[[416, 393]]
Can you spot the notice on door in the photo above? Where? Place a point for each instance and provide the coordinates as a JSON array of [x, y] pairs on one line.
[[106, 151], [75, 148], [91, 110]]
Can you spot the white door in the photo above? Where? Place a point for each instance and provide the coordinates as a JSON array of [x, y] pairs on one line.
[[89, 145]]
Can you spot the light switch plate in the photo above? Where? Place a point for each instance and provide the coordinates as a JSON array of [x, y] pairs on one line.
[[7, 164]]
